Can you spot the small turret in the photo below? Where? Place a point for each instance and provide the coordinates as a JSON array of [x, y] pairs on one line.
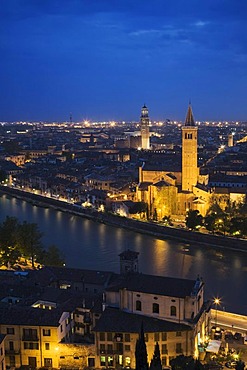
[[128, 261]]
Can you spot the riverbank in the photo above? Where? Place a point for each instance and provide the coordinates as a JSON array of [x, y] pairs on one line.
[[155, 230]]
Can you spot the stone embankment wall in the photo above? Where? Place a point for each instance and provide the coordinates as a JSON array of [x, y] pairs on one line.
[[156, 230]]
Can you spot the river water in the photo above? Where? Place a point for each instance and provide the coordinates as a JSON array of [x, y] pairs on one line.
[[90, 245]]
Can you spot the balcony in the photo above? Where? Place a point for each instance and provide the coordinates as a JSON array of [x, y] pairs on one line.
[[12, 352], [30, 338]]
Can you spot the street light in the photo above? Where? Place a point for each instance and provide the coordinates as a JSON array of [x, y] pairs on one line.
[[216, 302]]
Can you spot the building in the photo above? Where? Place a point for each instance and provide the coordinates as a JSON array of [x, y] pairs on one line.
[[2, 352], [172, 311], [145, 128], [172, 187], [189, 153]]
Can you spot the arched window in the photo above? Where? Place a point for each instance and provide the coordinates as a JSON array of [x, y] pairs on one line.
[[156, 308], [173, 311], [138, 306]]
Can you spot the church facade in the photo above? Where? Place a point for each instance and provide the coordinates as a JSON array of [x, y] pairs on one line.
[[172, 190]]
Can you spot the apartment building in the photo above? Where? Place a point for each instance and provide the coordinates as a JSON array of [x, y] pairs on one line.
[[171, 310], [2, 352]]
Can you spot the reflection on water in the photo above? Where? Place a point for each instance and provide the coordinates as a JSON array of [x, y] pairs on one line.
[[86, 244]]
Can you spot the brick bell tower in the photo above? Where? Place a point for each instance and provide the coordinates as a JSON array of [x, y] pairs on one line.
[[189, 152]]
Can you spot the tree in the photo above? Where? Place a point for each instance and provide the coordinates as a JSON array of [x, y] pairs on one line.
[[29, 239], [240, 365], [194, 219], [141, 352], [52, 257], [138, 207], [8, 241], [3, 176], [185, 363], [209, 222], [156, 361]]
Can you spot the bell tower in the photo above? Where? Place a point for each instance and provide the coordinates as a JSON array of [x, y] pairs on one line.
[[145, 128], [128, 261], [189, 152]]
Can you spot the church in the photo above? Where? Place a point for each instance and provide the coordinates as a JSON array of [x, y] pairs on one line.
[[171, 189]]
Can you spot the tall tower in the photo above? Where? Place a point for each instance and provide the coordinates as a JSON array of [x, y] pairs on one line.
[[189, 152], [145, 128], [230, 140]]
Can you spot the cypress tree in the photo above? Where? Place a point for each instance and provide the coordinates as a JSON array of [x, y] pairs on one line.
[[156, 361], [141, 352]]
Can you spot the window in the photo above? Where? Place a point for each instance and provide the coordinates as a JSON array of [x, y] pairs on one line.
[[156, 308], [110, 360], [127, 362], [12, 361], [91, 362], [164, 361], [127, 337], [102, 348], [138, 306], [61, 328], [30, 334], [173, 311], [31, 345], [164, 337], [178, 334], [48, 362], [47, 346], [11, 346], [109, 337], [156, 337], [10, 331], [102, 337], [109, 348], [46, 332], [127, 347], [179, 348], [164, 349], [102, 361]]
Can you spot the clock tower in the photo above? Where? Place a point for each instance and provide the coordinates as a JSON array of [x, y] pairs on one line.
[[145, 128]]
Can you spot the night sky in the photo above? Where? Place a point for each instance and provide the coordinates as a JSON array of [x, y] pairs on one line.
[[103, 59]]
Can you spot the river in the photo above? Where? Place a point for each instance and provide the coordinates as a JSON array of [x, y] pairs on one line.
[[90, 245]]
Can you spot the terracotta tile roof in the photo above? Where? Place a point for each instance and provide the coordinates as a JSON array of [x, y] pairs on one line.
[[115, 320], [160, 285]]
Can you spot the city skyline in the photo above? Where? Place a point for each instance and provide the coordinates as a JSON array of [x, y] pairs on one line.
[[102, 60]]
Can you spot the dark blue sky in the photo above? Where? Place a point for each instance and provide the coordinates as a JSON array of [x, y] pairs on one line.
[[102, 59]]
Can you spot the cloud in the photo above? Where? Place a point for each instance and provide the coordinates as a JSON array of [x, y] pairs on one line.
[[201, 24]]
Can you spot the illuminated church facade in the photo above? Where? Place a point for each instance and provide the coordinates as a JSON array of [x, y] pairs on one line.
[[172, 190]]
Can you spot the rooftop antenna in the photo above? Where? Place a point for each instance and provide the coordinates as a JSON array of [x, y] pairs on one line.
[[70, 118]]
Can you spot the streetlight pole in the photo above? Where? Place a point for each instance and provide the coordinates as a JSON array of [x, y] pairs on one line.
[[216, 302]]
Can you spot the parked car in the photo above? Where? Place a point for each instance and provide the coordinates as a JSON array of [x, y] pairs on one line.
[[229, 335], [231, 364], [237, 336], [218, 333], [213, 365]]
